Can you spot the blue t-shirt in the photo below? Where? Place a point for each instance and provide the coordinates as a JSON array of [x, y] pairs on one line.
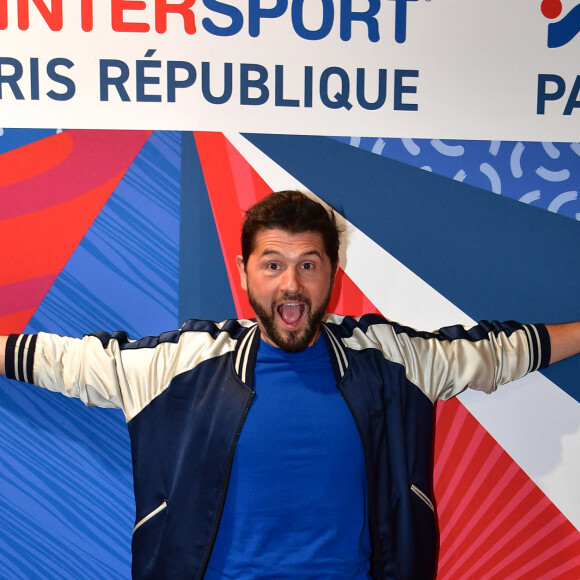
[[296, 506]]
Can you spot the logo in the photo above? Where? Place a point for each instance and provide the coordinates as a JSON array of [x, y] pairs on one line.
[[564, 30]]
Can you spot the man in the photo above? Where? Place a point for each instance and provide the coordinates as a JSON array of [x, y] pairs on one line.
[[294, 446]]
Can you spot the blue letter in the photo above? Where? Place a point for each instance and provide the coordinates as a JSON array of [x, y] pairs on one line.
[[298, 20], [117, 82], [400, 89], [401, 20], [544, 96], [257, 13], [172, 83], [347, 16], [279, 100], [236, 17], [308, 86], [573, 102], [225, 96], [259, 83], [53, 75], [341, 97], [143, 80], [13, 78], [360, 89], [34, 80]]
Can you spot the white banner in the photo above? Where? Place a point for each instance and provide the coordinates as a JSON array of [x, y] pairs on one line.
[[484, 69]]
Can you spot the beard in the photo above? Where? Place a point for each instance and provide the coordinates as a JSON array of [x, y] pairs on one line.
[[286, 339]]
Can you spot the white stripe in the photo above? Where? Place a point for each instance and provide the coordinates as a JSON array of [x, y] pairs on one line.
[[341, 352], [149, 516], [15, 359], [423, 496], [537, 339], [337, 354], [531, 347], [239, 355], [26, 355], [246, 349]]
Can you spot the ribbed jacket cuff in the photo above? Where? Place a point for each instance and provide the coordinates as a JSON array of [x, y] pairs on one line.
[[544, 349], [19, 357]]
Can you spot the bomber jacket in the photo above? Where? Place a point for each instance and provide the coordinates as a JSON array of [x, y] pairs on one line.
[[186, 393]]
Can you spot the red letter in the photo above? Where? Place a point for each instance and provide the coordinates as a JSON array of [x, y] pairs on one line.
[[162, 8], [87, 15], [3, 15], [52, 17], [117, 9]]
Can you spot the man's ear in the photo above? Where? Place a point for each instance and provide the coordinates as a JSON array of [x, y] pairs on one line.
[[335, 272], [242, 271]]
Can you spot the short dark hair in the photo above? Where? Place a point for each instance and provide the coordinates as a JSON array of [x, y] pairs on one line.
[[293, 212]]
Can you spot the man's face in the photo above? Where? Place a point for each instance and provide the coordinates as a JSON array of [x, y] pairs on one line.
[[289, 279]]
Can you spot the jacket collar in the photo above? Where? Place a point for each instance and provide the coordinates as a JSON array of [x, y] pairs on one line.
[[245, 355], [337, 352], [247, 351]]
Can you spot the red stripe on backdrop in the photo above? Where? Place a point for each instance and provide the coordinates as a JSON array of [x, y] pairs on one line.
[[347, 298], [232, 186], [24, 295], [250, 187], [495, 522]]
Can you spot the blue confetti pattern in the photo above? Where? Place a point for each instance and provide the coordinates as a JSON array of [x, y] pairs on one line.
[[546, 175]]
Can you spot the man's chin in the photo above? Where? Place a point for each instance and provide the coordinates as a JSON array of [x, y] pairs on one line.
[[293, 345], [291, 339]]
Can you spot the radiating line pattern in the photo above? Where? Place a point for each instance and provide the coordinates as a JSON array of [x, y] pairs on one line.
[[513, 169], [482, 495]]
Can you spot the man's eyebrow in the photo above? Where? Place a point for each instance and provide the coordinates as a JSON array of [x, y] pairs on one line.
[[267, 253]]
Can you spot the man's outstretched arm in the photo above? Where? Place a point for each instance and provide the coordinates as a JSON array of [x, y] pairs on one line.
[[564, 340]]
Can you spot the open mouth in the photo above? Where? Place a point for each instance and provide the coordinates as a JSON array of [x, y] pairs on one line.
[[291, 313]]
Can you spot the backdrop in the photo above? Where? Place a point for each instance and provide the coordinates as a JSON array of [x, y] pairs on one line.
[[122, 187]]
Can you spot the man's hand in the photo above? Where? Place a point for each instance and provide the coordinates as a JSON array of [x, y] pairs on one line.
[[565, 340]]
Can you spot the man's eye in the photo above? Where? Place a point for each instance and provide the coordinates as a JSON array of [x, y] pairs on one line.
[[308, 265], [272, 266]]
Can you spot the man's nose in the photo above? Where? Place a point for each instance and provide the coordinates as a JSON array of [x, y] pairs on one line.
[[291, 281]]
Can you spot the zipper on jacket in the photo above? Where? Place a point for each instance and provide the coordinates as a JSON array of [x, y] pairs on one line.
[[423, 497], [158, 509], [222, 503], [375, 543]]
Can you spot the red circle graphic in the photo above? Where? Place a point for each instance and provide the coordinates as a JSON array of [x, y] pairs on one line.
[[551, 8]]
